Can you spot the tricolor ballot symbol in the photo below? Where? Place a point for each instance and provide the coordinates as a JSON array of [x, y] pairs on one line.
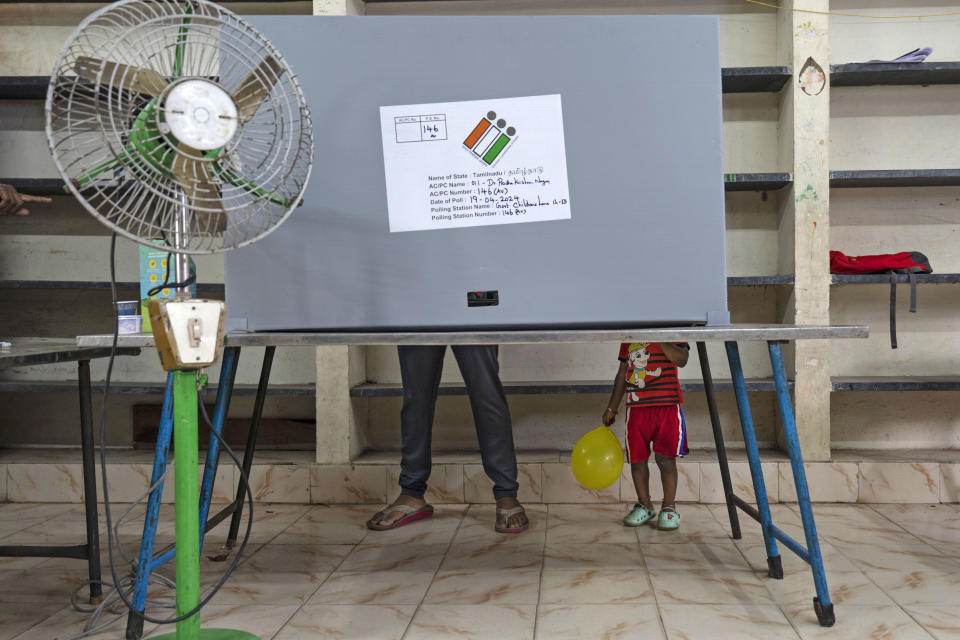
[[490, 138]]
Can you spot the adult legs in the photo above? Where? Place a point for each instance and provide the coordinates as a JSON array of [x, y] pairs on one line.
[[420, 369], [480, 367]]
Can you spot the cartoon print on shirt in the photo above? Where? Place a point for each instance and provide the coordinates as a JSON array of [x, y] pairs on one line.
[[637, 375]]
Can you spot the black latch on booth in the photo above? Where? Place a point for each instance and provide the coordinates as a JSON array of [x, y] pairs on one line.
[[483, 298]]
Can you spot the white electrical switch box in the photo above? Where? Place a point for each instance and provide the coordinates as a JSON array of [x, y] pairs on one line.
[[189, 333]]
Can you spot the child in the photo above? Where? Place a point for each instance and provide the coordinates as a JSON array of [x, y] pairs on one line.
[[648, 375]]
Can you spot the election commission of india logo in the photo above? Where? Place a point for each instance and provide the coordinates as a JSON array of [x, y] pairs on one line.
[[490, 139]]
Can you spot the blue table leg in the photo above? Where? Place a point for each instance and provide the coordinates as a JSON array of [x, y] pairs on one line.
[[228, 373], [774, 562], [134, 629], [821, 603], [146, 562]]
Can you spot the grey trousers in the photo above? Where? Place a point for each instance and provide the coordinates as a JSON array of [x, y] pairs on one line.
[[420, 368]]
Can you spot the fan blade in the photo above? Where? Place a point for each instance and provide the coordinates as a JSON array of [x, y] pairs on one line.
[[249, 187], [256, 87], [131, 78], [191, 174]]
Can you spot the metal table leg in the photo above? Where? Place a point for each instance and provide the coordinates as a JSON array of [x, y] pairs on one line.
[[251, 445], [89, 482], [145, 560], [774, 562], [90, 550], [821, 603], [718, 439]]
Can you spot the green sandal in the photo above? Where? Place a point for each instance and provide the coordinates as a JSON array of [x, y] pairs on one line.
[[640, 515], [669, 519]]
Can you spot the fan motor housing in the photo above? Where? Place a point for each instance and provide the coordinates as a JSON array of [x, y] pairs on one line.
[[200, 114]]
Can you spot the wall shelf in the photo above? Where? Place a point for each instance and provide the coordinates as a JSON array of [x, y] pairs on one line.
[[754, 79], [755, 281], [732, 79], [148, 388], [919, 383], [839, 384], [756, 181], [90, 285], [38, 186], [884, 278], [219, 289], [895, 178], [863, 74], [731, 182], [388, 390], [24, 87]]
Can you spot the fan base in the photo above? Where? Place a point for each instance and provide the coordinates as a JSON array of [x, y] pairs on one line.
[[214, 634]]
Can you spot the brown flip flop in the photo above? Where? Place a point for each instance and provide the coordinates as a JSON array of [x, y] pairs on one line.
[[410, 514], [506, 513]]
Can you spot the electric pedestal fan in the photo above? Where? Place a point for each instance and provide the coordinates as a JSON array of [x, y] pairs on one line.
[[178, 125]]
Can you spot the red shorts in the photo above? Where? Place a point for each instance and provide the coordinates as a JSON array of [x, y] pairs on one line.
[[663, 426]]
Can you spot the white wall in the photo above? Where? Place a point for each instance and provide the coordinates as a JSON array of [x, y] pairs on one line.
[[896, 128], [855, 39]]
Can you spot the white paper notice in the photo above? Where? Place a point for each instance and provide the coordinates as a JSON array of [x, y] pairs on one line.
[[482, 162]]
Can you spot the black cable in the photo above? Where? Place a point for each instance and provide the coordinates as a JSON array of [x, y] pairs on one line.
[[103, 470]]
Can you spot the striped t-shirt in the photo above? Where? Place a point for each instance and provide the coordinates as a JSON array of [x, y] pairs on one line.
[[651, 377]]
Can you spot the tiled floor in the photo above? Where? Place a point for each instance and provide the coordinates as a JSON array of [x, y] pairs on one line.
[[316, 572]]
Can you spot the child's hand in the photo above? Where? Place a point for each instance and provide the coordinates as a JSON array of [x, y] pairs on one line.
[[609, 416]]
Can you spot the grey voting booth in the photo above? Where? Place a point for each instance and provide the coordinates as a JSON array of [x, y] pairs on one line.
[[641, 122]]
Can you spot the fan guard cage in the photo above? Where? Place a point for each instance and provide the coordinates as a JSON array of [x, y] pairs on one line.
[[106, 115]]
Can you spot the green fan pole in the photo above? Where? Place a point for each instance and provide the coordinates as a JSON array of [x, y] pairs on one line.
[[186, 501], [187, 514]]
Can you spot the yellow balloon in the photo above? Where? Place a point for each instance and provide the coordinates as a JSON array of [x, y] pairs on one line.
[[597, 459]]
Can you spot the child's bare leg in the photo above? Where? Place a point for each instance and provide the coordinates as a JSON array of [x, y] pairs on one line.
[[668, 476], [641, 482]]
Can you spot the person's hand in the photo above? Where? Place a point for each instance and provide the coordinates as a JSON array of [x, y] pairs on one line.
[[609, 416], [12, 202]]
